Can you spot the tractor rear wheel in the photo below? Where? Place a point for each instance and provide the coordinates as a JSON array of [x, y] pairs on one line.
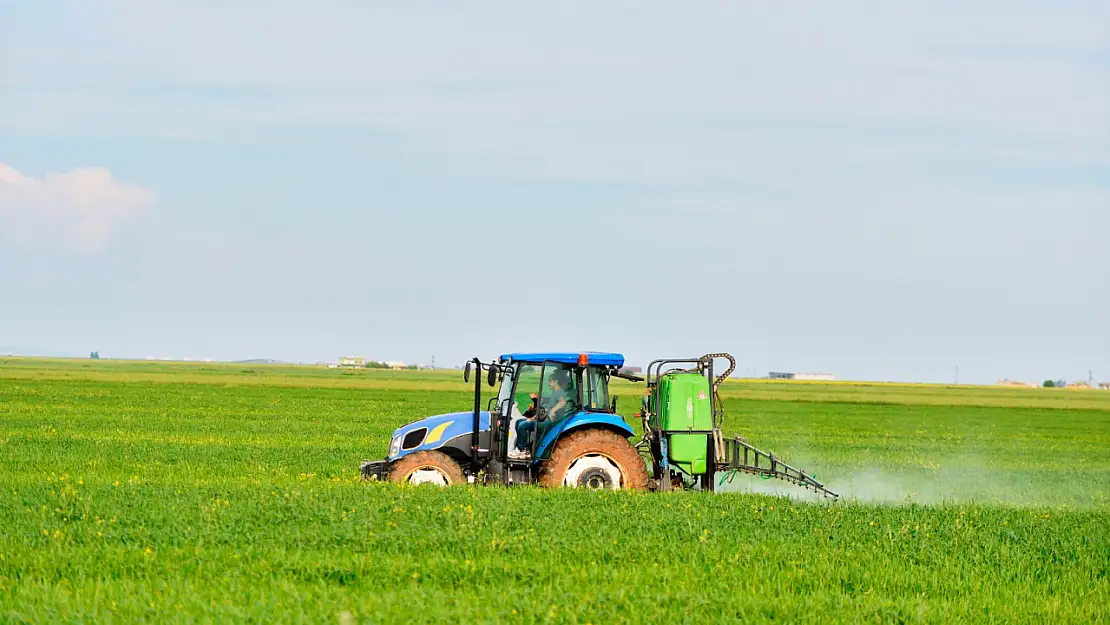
[[596, 459], [427, 467]]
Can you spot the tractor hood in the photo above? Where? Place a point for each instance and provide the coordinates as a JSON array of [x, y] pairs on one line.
[[432, 432]]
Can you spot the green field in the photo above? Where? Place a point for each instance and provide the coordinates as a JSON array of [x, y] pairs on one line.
[[215, 493]]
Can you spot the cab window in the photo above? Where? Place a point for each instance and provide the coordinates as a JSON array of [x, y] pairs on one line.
[[597, 389], [559, 394]]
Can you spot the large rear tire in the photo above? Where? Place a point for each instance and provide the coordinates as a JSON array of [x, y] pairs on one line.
[[427, 467], [595, 458]]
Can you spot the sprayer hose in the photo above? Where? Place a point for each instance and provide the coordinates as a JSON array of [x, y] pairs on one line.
[[728, 372], [717, 383]]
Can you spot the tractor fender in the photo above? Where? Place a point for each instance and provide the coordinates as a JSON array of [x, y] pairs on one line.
[[581, 421]]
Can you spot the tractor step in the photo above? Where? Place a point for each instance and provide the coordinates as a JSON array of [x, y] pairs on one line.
[[737, 455]]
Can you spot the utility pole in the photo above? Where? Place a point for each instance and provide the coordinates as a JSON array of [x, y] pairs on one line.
[[433, 361]]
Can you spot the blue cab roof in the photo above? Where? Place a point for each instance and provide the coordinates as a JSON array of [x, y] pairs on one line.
[[607, 359]]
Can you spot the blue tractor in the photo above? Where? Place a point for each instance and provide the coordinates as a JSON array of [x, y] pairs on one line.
[[553, 423]]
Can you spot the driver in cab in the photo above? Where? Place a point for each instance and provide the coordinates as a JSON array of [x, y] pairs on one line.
[[556, 406]]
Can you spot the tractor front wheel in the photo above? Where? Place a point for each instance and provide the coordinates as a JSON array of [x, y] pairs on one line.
[[427, 467], [598, 459]]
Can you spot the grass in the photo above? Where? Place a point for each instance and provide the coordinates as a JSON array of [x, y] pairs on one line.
[[213, 493]]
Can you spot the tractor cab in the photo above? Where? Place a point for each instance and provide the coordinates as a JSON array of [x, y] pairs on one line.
[[543, 395]]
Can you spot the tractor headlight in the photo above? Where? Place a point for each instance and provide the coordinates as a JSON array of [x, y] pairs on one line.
[[394, 446]]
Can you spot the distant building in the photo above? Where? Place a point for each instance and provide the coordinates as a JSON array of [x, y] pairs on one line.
[[814, 376], [779, 375], [396, 364], [632, 370], [352, 361], [1104, 386]]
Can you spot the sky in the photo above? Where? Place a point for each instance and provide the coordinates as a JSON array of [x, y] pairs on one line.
[[878, 191]]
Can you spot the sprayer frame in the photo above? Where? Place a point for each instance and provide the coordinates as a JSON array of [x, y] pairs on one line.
[[703, 366]]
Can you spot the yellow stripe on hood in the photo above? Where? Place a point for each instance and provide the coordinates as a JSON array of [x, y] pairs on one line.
[[437, 433]]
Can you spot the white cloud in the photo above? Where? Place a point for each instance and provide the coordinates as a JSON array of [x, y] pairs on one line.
[[81, 209]]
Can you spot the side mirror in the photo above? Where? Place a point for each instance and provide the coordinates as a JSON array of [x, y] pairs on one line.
[[491, 378], [613, 406], [466, 372]]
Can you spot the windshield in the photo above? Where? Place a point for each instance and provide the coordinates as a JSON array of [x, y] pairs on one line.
[[528, 383], [524, 381], [506, 385]]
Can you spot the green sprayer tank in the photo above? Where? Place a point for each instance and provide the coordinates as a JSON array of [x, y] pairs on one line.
[[686, 418]]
